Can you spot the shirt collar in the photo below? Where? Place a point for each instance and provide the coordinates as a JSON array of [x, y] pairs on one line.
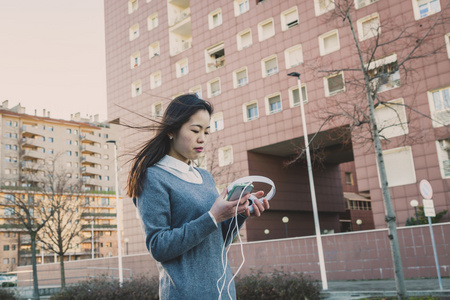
[[176, 164]]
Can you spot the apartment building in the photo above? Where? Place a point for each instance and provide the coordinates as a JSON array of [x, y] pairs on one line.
[[237, 54], [34, 147]]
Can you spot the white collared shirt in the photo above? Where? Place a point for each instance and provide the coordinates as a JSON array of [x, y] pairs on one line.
[[180, 169], [183, 171]]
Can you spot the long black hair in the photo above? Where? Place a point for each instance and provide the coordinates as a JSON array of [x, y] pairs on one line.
[[177, 113]]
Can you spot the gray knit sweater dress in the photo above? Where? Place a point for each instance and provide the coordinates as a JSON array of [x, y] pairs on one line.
[[182, 237]]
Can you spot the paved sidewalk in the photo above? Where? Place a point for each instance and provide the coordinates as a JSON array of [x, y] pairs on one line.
[[379, 288]]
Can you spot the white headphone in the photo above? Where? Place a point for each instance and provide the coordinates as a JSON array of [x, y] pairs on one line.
[[250, 179]]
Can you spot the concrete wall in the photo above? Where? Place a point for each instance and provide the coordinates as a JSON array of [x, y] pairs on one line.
[[358, 255]]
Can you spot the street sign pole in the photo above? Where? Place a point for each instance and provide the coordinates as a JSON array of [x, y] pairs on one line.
[[428, 208], [435, 254]]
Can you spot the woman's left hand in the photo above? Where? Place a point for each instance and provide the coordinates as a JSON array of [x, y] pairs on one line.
[[258, 207]]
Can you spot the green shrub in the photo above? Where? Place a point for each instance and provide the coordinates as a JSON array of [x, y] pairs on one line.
[[6, 294], [106, 289], [278, 285]]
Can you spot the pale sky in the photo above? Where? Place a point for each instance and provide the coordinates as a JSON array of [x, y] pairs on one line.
[[52, 56]]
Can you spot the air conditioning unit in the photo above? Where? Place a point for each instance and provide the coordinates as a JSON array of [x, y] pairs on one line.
[[445, 144]]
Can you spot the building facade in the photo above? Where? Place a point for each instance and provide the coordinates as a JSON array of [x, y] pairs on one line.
[[73, 153], [238, 54]]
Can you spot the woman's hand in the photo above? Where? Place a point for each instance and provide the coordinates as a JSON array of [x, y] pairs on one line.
[[258, 207], [223, 210]]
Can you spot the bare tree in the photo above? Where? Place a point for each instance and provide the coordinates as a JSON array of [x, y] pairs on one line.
[[374, 69], [64, 226], [32, 211]]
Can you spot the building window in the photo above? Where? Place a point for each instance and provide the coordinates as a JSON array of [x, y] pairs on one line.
[[215, 57], [7, 147], [384, 74], [348, 178], [134, 32], [197, 90], [250, 110], [269, 66], [6, 261], [135, 60], [425, 8], [294, 97], [153, 50], [68, 130], [155, 80], [289, 18], [215, 18], [273, 104], [182, 67], [69, 153], [105, 201], [157, 110], [443, 150], [391, 119], [8, 123], [361, 3], [369, 27], [244, 39], [152, 21], [240, 77], [266, 29], [323, 6], [216, 122], [132, 6], [439, 101], [201, 161], [329, 42], [214, 88], [447, 42], [136, 88], [240, 7], [225, 156], [334, 84], [399, 166], [293, 56]]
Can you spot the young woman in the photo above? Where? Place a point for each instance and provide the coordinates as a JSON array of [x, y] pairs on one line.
[[185, 219]]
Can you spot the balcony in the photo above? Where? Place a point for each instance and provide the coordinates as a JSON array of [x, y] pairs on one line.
[[91, 181], [30, 142], [87, 149], [31, 131], [91, 159], [12, 227], [88, 227], [33, 154], [93, 138], [31, 166], [86, 170], [180, 16], [99, 215]]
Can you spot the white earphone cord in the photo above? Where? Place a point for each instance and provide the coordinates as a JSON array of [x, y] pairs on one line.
[[224, 264]]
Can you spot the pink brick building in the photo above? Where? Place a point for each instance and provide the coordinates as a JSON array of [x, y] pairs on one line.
[[237, 54]]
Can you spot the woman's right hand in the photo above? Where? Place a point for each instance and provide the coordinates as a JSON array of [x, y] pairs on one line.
[[223, 210]]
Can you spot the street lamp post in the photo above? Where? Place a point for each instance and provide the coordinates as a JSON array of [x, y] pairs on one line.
[[119, 241], [414, 204], [285, 220], [323, 274]]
